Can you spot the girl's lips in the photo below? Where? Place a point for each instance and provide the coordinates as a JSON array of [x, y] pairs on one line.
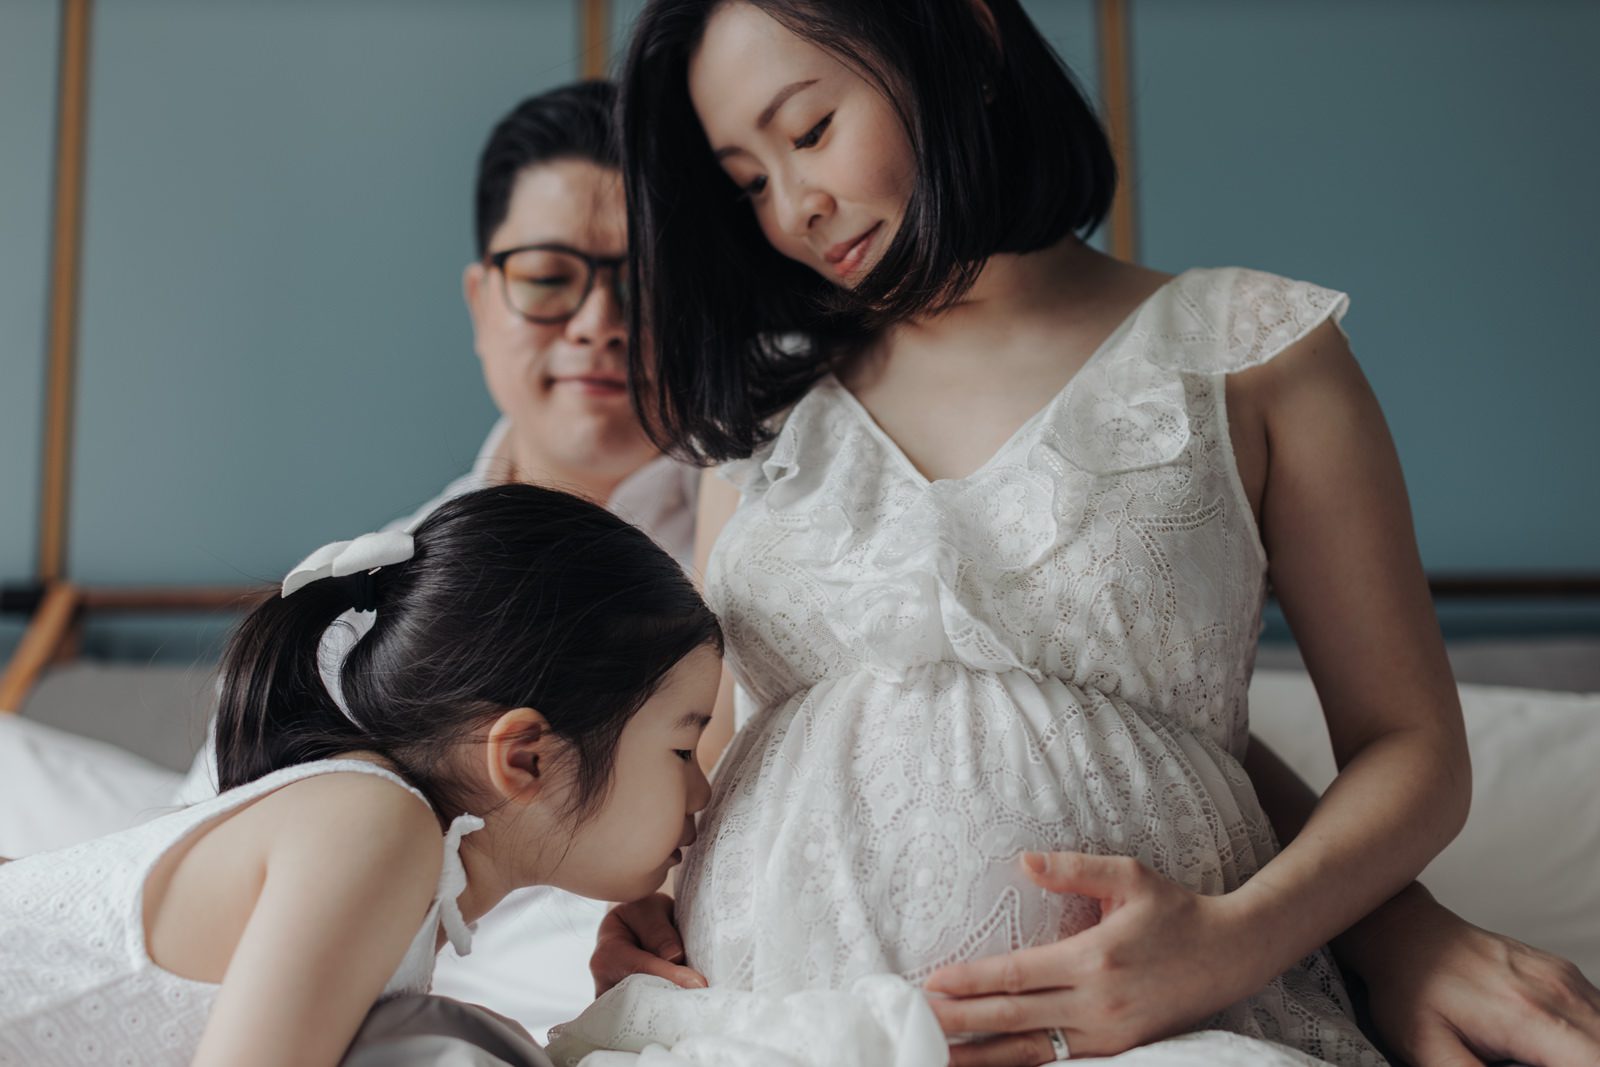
[[854, 253]]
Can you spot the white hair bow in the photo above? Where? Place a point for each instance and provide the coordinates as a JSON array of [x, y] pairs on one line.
[[343, 558]]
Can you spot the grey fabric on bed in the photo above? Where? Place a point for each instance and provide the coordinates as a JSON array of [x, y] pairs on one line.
[[419, 1030], [158, 711]]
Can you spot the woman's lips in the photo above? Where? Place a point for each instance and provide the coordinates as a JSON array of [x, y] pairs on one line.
[[846, 258], [593, 386]]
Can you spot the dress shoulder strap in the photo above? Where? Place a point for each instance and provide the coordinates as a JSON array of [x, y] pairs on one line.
[[1127, 409], [1223, 320]]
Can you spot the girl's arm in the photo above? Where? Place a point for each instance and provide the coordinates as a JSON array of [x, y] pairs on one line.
[[345, 890]]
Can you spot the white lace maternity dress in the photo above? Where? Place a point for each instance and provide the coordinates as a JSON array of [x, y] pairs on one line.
[[1051, 653]]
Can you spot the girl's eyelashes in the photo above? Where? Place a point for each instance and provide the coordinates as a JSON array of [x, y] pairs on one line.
[[685, 754], [810, 138], [753, 188]]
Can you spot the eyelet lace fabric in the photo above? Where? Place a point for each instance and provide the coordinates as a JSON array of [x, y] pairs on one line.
[[1051, 654], [77, 984]]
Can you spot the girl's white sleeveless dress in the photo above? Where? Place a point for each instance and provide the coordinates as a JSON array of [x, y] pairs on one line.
[[77, 984], [1051, 653]]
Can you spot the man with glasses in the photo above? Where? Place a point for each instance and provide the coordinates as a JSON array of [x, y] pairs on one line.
[[548, 305]]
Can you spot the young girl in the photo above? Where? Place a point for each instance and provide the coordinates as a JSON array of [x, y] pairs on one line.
[[993, 574], [524, 711]]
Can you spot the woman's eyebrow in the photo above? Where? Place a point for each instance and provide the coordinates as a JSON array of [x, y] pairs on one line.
[[764, 119], [778, 100], [692, 718]]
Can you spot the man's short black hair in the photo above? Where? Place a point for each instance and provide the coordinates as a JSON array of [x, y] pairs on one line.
[[572, 122]]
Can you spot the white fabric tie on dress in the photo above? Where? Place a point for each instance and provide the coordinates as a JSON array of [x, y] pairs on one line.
[[453, 881]]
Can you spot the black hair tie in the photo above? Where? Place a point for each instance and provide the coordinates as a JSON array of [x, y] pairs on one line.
[[363, 587]]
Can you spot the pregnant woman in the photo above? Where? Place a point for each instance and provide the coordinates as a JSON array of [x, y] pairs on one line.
[[1006, 511]]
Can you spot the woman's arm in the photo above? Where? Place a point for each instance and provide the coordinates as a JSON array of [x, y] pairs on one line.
[[340, 903], [1344, 564]]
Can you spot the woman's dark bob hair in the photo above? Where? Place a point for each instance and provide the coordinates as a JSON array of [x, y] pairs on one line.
[[516, 596], [1009, 158]]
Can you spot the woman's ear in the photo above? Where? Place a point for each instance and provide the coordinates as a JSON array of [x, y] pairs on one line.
[[988, 24], [518, 754]]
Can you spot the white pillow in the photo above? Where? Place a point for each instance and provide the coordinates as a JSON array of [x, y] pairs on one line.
[[57, 788], [1528, 862]]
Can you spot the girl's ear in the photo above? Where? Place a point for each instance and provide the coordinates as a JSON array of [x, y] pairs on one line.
[[518, 754]]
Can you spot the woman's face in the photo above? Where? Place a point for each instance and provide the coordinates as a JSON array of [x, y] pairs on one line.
[[816, 149]]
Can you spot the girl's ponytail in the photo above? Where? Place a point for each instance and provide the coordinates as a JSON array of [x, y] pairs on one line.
[[507, 597], [275, 709]]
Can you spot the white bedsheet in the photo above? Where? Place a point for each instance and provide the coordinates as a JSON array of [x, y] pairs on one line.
[[57, 788], [881, 1021]]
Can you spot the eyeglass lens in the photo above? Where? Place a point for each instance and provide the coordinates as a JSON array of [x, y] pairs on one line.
[[549, 284]]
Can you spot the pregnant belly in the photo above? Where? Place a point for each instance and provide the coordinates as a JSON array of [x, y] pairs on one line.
[[862, 827]]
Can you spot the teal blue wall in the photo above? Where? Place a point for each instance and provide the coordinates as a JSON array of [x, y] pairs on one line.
[[28, 44], [1437, 160], [273, 349]]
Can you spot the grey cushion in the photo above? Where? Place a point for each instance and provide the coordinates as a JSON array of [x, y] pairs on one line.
[[420, 1030]]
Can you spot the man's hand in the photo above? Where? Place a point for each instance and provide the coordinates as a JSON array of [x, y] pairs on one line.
[[641, 938], [1445, 993]]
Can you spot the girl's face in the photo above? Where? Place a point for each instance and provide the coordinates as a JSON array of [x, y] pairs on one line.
[[624, 850], [815, 148]]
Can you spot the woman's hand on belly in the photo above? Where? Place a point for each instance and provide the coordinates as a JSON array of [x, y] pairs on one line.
[[1160, 960], [641, 938]]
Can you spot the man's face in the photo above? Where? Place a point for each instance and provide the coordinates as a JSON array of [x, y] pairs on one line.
[[562, 385]]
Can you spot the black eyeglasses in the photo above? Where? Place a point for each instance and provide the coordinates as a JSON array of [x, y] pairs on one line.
[[548, 283]]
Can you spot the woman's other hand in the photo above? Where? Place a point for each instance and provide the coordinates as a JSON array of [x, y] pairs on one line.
[[1445, 993], [1160, 960], [641, 938]]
